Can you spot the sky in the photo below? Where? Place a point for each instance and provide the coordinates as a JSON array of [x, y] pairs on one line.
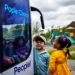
[[55, 12]]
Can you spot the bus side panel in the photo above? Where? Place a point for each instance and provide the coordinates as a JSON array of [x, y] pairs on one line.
[[16, 30], [24, 68]]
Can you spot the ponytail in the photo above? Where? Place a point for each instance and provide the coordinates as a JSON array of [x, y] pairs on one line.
[[68, 52], [68, 45]]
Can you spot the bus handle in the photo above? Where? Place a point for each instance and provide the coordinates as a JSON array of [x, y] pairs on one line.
[[41, 17]]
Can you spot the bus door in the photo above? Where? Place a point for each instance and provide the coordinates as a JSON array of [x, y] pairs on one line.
[[15, 38]]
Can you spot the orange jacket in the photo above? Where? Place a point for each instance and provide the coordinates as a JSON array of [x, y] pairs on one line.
[[58, 63]]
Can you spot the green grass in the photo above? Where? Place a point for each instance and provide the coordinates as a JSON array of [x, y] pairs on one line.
[[50, 51], [72, 48], [72, 56]]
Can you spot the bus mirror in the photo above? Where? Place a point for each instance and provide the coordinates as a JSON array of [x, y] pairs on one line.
[[41, 17]]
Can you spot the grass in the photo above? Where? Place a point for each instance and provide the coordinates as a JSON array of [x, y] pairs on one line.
[[50, 51], [72, 56], [72, 48]]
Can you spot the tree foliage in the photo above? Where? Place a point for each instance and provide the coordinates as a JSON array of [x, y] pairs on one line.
[[47, 34], [72, 24], [36, 28]]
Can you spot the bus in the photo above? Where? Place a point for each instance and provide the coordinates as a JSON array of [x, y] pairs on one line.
[[16, 50]]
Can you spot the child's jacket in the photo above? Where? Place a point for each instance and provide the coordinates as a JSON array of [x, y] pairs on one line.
[[58, 63], [41, 62]]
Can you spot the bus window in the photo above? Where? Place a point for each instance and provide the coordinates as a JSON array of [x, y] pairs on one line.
[[16, 32]]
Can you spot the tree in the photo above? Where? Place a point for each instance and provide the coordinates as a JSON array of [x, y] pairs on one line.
[[18, 27], [5, 30], [64, 29], [36, 28], [72, 24], [41, 31], [16, 30], [47, 34]]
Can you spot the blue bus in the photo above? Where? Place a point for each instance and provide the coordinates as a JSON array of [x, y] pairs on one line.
[[16, 52]]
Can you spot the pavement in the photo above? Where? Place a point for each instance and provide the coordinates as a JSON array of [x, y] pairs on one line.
[[72, 52], [71, 64]]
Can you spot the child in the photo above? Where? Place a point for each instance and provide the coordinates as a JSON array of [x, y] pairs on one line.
[[41, 57], [11, 53], [10, 50], [8, 57], [58, 60], [20, 48]]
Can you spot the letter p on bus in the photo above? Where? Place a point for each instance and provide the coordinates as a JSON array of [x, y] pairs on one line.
[[15, 70], [6, 7]]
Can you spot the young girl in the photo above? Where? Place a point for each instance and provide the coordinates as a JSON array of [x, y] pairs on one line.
[[20, 47], [58, 60]]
